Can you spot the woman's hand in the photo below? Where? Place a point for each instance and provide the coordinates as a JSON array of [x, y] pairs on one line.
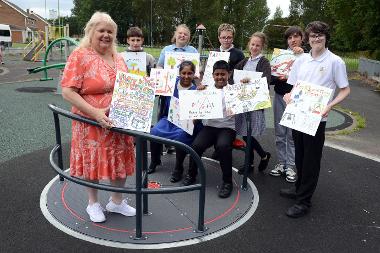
[[298, 50], [287, 98], [100, 115]]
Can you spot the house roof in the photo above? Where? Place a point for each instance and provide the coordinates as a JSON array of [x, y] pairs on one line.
[[39, 17], [18, 9]]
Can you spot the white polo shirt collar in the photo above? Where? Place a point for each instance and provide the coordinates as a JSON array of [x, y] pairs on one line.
[[226, 50], [321, 57]]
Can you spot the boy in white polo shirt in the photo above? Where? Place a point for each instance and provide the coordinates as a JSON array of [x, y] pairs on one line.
[[320, 67]]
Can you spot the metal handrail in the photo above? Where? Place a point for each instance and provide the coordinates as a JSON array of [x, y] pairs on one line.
[[141, 191]]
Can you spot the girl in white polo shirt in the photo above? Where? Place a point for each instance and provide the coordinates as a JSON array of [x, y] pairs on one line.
[[320, 67]]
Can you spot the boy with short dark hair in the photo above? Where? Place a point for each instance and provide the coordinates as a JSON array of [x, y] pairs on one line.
[[135, 40], [319, 67], [219, 133]]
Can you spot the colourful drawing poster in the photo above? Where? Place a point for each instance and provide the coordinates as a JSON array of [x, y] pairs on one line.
[[173, 117], [201, 104], [304, 112], [246, 74], [213, 57], [164, 80], [174, 59], [132, 102], [240, 98], [282, 61], [136, 62]]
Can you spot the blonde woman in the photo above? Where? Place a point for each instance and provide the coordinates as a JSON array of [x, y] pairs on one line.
[[87, 84]]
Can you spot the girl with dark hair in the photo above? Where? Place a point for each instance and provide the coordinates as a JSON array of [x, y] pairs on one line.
[[166, 129]]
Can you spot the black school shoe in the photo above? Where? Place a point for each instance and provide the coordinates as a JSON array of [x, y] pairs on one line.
[[225, 190], [297, 211], [264, 163], [152, 167], [189, 180], [176, 175]]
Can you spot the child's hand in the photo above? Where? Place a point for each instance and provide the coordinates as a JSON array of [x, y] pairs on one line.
[[201, 87], [245, 80], [287, 98], [298, 50], [282, 77]]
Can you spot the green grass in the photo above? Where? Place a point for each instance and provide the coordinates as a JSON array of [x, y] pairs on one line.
[[359, 120], [19, 45]]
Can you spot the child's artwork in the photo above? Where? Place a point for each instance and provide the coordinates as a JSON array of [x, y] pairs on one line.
[[136, 62], [240, 98], [304, 112], [174, 59], [246, 74], [173, 117], [132, 102], [282, 61], [164, 80], [213, 57], [201, 104]]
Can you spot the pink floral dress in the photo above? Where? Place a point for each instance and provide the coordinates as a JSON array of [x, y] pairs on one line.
[[96, 153]]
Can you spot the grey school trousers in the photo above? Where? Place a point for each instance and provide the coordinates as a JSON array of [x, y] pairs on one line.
[[284, 138]]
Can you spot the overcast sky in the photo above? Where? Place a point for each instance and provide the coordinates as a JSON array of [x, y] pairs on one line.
[[65, 6]]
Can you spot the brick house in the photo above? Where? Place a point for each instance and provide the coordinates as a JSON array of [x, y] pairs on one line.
[[22, 23]]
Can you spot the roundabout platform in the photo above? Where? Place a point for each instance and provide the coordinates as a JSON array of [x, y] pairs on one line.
[[172, 218]]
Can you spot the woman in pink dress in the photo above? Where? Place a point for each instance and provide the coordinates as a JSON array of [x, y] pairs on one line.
[[88, 82]]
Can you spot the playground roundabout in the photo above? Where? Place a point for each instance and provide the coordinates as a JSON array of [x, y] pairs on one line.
[[171, 220]]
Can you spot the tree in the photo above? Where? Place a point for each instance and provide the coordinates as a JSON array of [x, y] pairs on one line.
[[278, 13]]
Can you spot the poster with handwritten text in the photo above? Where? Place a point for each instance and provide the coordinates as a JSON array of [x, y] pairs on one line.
[[240, 98], [164, 80], [282, 61], [136, 62], [174, 59], [201, 104], [132, 102], [304, 112], [173, 117], [213, 57]]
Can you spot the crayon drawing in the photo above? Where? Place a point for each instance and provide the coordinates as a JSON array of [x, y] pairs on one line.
[[213, 57], [304, 113], [164, 80], [201, 104], [173, 117], [132, 102], [136, 62], [240, 98], [174, 59], [282, 61]]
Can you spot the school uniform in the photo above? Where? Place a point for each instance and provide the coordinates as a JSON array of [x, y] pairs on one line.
[[328, 70]]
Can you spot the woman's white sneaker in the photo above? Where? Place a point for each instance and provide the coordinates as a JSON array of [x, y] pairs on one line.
[[95, 211], [123, 208]]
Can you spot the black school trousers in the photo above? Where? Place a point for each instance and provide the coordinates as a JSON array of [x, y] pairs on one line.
[[221, 139], [308, 156]]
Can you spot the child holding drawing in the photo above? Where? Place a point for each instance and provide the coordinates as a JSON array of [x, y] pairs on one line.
[[167, 129], [320, 67], [284, 139], [135, 40], [256, 62], [219, 133]]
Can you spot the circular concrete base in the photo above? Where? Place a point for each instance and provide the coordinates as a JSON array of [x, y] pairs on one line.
[[172, 218]]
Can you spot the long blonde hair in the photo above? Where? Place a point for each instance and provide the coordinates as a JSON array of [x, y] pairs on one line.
[[97, 18]]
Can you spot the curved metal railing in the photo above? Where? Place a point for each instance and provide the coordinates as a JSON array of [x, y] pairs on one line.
[[141, 191]]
